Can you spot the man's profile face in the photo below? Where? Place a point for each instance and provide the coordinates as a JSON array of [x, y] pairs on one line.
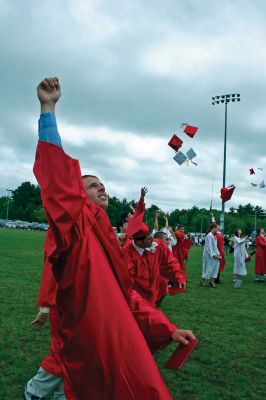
[[95, 191], [165, 239], [145, 243]]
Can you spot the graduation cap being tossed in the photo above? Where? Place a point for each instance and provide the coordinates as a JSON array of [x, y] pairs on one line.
[[190, 130], [190, 155], [262, 185], [180, 157], [252, 171], [227, 192], [175, 143]]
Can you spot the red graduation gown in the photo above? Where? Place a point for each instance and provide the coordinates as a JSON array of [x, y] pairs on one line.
[[147, 269], [47, 298], [149, 272], [220, 245], [104, 355], [48, 284], [187, 244], [260, 263], [178, 249]]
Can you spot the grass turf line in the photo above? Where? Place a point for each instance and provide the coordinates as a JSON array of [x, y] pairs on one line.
[[229, 364]]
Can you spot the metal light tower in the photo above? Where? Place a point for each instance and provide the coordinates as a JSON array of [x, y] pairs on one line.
[[7, 206], [225, 99]]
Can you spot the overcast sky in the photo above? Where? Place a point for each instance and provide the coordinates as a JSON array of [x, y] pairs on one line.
[[131, 72]]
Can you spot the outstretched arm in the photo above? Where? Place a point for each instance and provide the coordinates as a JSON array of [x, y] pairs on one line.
[[155, 326], [156, 223], [58, 175], [141, 204], [49, 92]]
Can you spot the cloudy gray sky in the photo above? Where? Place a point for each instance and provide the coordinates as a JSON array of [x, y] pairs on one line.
[[131, 72]]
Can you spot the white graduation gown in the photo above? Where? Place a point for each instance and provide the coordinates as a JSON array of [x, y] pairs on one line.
[[210, 265], [240, 255]]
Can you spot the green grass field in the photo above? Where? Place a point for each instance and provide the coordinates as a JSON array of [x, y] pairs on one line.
[[231, 323]]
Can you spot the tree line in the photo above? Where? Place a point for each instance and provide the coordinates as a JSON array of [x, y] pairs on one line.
[[25, 204]]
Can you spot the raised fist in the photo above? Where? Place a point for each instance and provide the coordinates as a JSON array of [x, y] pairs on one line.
[[49, 91]]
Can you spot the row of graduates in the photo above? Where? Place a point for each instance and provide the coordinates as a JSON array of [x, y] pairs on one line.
[[102, 297], [214, 255], [177, 241]]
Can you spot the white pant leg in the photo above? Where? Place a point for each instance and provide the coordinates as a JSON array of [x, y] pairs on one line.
[[41, 385], [59, 393]]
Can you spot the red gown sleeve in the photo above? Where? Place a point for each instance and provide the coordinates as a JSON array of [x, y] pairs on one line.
[[155, 326], [62, 190], [169, 266], [48, 287], [179, 236], [140, 208], [48, 284], [261, 241], [187, 244]]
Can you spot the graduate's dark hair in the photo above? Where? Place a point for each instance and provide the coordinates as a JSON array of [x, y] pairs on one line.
[[236, 232], [180, 226], [89, 176], [159, 235], [258, 231], [211, 227], [122, 219]]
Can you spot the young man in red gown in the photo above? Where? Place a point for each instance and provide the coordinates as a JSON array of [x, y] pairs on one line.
[[179, 251], [260, 262], [152, 265], [103, 353]]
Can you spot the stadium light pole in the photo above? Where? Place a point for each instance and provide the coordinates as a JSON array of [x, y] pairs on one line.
[[225, 99], [7, 206]]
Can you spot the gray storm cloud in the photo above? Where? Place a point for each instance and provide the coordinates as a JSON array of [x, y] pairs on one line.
[[131, 72]]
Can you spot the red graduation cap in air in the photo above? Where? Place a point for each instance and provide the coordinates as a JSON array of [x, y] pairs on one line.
[[191, 130], [175, 143], [251, 171], [227, 192]]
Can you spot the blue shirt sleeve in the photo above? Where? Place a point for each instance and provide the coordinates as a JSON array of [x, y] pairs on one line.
[[48, 131]]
